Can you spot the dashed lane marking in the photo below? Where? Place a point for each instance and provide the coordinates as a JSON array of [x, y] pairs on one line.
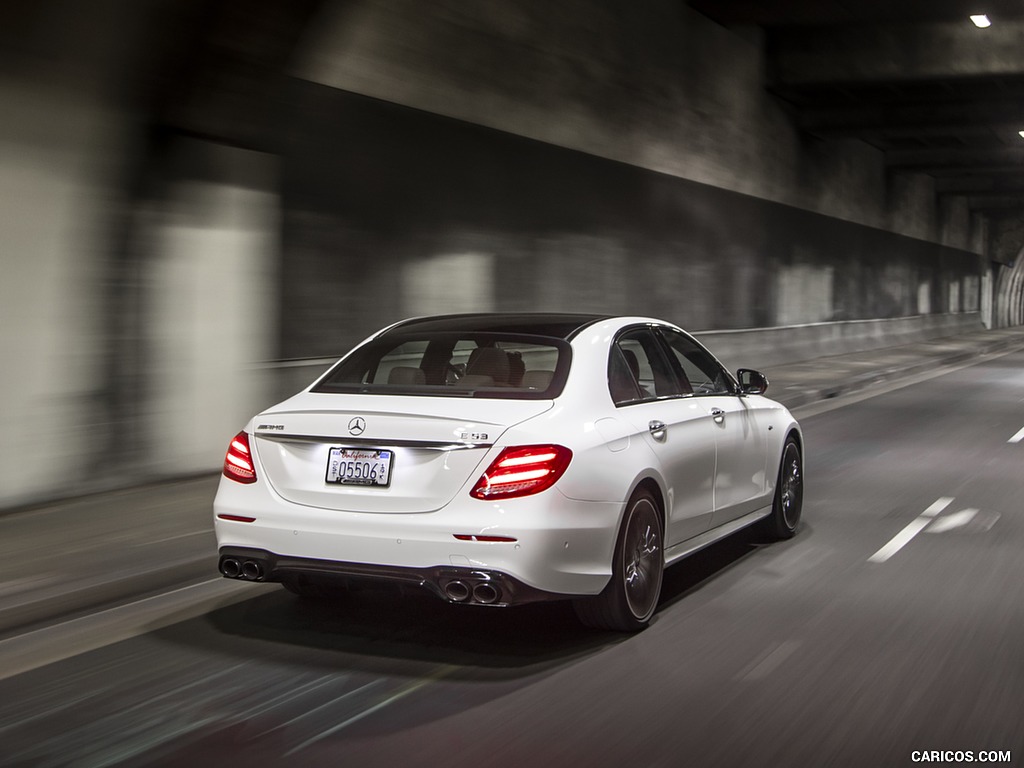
[[915, 527], [950, 522]]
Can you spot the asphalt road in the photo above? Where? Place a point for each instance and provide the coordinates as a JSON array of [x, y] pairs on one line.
[[892, 624]]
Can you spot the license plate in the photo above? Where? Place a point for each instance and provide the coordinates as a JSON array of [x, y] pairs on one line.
[[359, 466]]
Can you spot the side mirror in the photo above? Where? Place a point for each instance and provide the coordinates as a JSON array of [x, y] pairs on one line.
[[751, 382]]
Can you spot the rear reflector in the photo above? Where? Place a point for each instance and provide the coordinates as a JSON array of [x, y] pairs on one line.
[[237, 518], [521, 471], [475, 537], [238, 464]]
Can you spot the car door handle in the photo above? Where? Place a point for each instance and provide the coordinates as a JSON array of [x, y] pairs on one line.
[[718, 415], [657, 429]]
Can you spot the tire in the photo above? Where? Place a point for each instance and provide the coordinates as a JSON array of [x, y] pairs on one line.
[[789, 494], [638, 563]]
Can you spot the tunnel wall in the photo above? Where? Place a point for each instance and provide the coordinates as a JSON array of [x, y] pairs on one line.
[[103, 294], [391, 211], [655, 85], [53, 185]]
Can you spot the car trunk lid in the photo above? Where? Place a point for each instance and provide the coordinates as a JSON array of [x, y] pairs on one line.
[[382, 454]]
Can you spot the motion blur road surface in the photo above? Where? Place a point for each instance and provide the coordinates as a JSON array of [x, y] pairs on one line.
[[892, 623]]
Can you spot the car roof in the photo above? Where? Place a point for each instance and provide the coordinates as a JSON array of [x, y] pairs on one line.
[[560, 325]]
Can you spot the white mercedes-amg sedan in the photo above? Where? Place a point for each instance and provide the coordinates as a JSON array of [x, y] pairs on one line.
[[500, 459]]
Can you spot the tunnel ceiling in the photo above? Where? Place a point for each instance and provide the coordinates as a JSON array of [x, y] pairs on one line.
[[917, 80]]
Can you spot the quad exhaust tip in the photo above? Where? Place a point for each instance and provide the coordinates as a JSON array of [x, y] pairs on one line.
[[456, 591], [484, 593], [249, 570], [252, 570]]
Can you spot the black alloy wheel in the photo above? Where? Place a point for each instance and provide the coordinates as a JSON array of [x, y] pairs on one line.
[[631, 597], [789, 493]]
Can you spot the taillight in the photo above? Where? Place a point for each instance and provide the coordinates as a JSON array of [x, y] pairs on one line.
[[521, 471], [238, 464]]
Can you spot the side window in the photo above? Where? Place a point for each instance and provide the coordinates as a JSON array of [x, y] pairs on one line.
[[637, 369], [702, 374]]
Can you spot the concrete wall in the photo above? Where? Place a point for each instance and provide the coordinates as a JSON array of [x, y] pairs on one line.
[[198, 306], [391, 211], [210, 315], [54, 188], [658, 86]]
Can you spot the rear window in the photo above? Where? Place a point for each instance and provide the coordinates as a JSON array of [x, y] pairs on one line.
[[495, 365]]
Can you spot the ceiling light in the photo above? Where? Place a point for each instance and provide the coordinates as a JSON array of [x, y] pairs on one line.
[[981, 21], [1021, 134]]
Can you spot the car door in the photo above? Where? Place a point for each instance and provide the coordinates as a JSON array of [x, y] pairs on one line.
[[739, 486], [677, 430]]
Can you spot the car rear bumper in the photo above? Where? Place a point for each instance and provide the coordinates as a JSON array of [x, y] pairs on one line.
[[543, 546], [475, 586]]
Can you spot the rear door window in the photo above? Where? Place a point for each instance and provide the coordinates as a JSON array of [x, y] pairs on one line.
[[638, 369]]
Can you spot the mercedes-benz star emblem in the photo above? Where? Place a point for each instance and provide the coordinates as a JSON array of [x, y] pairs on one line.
[[357, 426]]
